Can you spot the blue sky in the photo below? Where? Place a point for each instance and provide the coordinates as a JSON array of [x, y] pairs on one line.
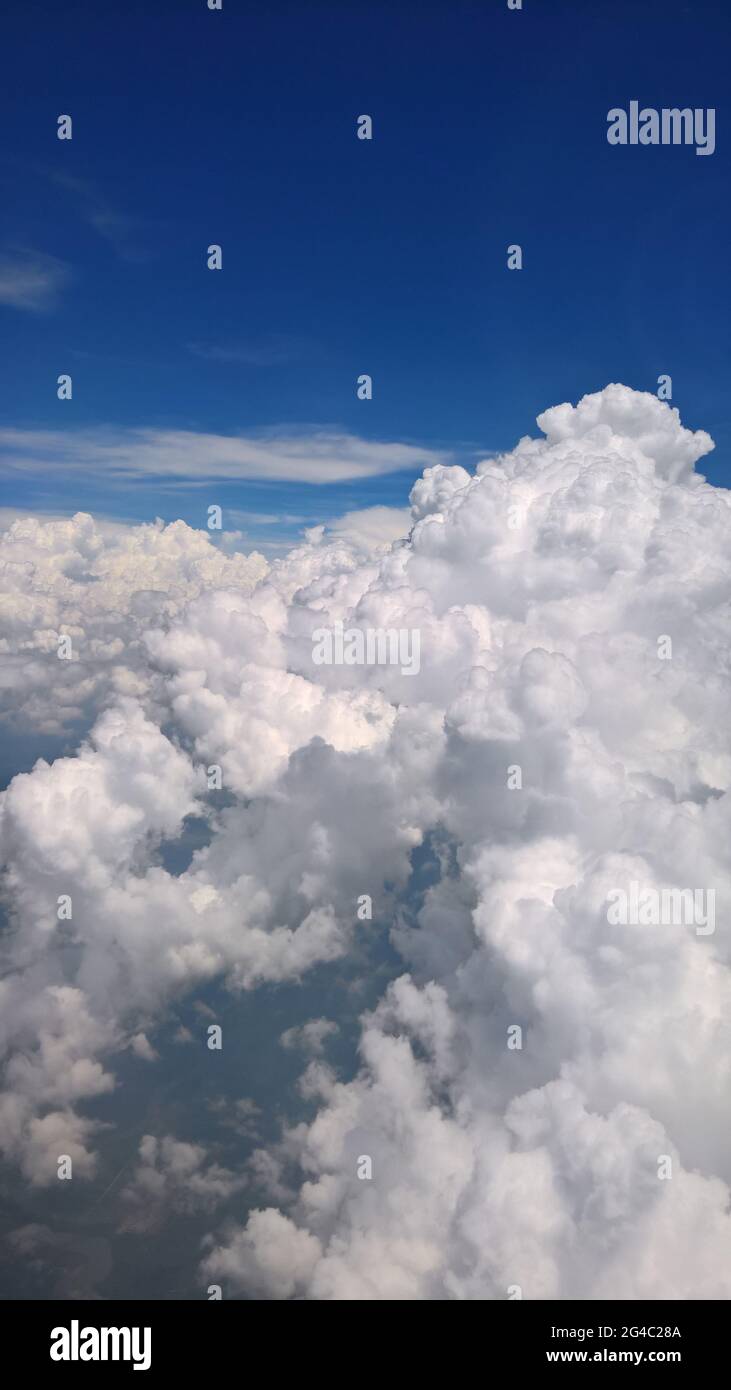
[[343, 256]]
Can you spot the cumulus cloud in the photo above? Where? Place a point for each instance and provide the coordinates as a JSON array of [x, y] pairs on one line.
[[310, 1037], [173, 1176], [277, 1258], [566, 735], [611, 416], [101, 585], [372, 528]]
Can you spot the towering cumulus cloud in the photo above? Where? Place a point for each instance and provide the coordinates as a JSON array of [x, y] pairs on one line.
[[539, 1103]]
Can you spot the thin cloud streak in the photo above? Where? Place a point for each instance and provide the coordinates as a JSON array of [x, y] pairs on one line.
[[320, 457], [31, 280]]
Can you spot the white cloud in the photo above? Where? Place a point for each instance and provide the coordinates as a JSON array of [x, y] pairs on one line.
[[321, 456], [540, 586], [372, 528], [173, 1177], [141, 1046], [614, 415], [278, 1258], [102, 584], [31, 280], [310, 1037]]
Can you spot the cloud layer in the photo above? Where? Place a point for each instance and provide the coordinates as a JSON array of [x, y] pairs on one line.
[[553, 747]]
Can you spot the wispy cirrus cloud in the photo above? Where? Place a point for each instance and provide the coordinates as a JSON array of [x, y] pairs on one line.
[[122, 232], [191, 457], [31, 280], [272, 350]]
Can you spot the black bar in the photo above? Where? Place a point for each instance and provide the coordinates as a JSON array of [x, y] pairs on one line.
[[196, 1338]]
